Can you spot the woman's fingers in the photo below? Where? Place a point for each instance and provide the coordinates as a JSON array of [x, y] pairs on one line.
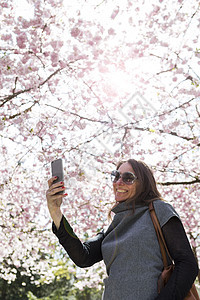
[[55, 185], [51, 180], [55, 190], [53, 198]]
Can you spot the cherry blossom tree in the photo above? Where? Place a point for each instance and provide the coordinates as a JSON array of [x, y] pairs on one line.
[[94, 83]]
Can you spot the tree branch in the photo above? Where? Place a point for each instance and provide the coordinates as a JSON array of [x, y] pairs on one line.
[[15, 94], [10, 97], [165, 71], [25, 111], [163, 132], [175, 108], [79, 116], [90, 120], [50, 76], [197, 180]]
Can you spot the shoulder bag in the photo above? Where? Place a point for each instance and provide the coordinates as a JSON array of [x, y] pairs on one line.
[[167, 269]]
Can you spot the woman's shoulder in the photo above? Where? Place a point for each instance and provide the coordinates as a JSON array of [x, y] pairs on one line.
[[164, 211], [162, 204]]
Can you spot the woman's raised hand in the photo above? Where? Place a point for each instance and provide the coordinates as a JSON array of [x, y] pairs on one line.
[[54, 200]]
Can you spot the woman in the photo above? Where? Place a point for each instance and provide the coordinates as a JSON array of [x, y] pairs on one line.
[[129, 247]]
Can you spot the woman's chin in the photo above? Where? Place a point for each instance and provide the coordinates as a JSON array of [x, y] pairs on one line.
[[120, 199]]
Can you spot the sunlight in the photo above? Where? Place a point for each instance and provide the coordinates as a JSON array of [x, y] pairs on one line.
[[118, 80], [24, 9]]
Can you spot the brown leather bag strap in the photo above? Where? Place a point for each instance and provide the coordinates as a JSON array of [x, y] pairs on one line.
[[161, 240]]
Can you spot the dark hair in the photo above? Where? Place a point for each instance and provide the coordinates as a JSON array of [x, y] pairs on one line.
[[147, 190]]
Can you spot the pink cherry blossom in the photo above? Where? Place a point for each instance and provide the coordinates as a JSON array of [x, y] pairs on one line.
[[21, 40], [94, 84], [115, 12], [75, 32]]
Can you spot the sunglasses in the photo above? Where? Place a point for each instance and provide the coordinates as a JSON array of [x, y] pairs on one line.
[[127, 177]]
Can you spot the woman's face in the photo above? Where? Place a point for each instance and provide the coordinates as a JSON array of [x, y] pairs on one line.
[[122, 190]]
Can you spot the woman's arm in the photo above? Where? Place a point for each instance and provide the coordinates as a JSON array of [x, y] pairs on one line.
[[186, 268], [83, 254], [54, 200]]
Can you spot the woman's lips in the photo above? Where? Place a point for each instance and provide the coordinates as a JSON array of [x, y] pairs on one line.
[[121, 191]]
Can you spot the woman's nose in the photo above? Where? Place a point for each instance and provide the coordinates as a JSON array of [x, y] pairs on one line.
[[120, 181]]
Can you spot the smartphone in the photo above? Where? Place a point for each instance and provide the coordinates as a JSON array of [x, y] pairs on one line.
[[57, 170]]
